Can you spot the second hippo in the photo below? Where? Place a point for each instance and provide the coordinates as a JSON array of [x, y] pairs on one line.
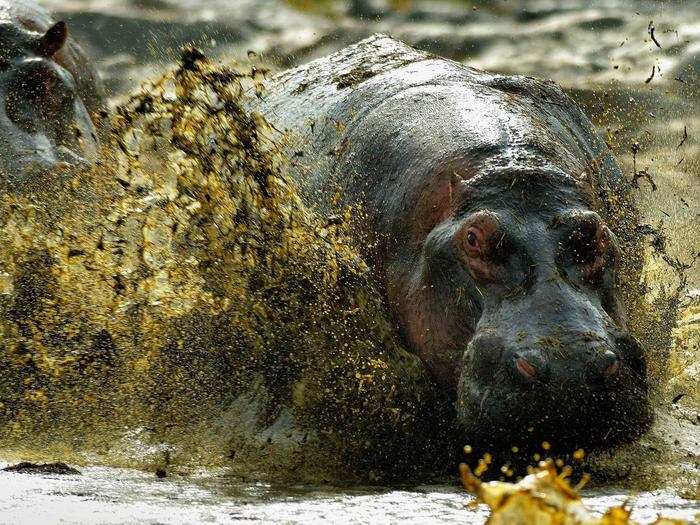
[[50, 96]]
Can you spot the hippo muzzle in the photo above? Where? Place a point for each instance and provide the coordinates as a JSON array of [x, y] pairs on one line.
[[550, 364], [44, 124]]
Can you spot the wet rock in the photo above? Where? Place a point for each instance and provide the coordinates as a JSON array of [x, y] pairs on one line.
[[446, 12], [601, 23], [369, 8], [532, 13], [26, 467], [442, 40]]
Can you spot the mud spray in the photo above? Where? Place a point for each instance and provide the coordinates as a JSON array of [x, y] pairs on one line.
[[178, 307], [180, 296]]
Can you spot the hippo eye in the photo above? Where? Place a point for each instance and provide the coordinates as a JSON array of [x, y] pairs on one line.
[[593, 248], [481, 242], [473, 242]]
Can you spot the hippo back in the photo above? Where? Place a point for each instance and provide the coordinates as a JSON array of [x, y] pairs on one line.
[[352, 119]]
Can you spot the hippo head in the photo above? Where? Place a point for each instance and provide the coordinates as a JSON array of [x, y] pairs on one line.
[[498, 268], [44, 124], [521, 283], [550, 341]]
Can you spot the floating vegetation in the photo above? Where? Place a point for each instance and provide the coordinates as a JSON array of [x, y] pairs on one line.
[[26, 467]]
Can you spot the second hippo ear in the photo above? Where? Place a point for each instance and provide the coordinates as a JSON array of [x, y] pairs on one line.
[[53, 41]]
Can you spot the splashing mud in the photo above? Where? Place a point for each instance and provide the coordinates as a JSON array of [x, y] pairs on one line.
[[183, 292], [543, 497], [179, 307]]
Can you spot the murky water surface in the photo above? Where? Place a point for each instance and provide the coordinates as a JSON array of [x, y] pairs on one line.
[[102, 495]]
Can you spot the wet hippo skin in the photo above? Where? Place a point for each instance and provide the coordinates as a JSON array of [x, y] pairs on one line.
[[50, 96], [473, 196]]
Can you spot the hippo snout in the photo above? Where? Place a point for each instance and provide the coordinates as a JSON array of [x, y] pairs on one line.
[[592, 366], [570, 388]]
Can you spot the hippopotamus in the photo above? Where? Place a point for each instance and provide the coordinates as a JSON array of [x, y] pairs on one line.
[[475, 199], [51, 95]]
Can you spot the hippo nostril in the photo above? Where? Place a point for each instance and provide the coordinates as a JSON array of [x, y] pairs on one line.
[[612, 364], [603, 367], [525, 368]]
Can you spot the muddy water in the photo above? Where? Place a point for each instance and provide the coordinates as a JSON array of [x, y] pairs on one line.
[[103, 495], [600, 51]]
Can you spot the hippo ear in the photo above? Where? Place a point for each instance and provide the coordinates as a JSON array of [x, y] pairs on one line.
[[437, 202], [52, 42], [454, 183]]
